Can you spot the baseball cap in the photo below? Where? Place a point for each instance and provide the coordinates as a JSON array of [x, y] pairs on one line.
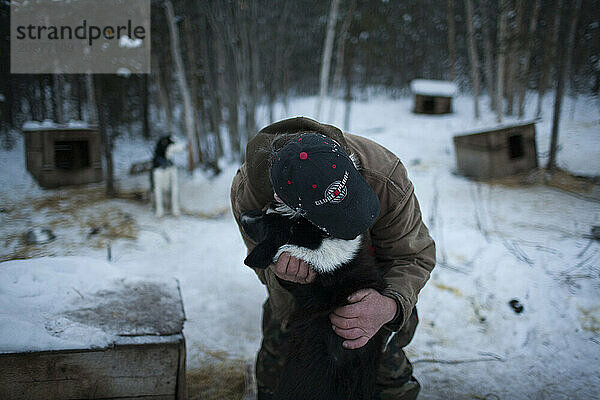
[[314, 176]]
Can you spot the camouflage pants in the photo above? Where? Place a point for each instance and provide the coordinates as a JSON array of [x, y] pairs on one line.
[[394, 378]]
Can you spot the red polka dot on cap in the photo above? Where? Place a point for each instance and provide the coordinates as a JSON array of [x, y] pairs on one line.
[[314, 186], [333, 166], [303, 155], [289, 182]]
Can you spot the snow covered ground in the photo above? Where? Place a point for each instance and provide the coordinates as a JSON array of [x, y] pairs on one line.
[[495, 244]]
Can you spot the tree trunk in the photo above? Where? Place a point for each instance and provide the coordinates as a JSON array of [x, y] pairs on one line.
[[145, 107], [574, 19], [349, 82], [473, 56], [58, 98], [513, 57], [549, 54], [489, 60], [163, 93], [243, 67], [502, 26], [188, 112], [348, 106], [210, 94], [326, 58], [75, 97], [91, 99], [285, 79], [80, 97], [451, 40], [339, 58], [33, 99], [564, 62], [249, 34], [42, 98], [98, 116], [199, 132], [231, 93], [12, 103], [523, 77]]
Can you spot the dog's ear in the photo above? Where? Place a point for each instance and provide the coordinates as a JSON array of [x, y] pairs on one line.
[[163, 142], [253, 224], [261, 256]]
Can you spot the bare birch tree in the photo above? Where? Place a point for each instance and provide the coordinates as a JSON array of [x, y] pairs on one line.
[[451, 40], [327, 53], [250, 51], [564, 62], [209, 95], [339, 57], [188, 111], [199, 131], [145, 106], [549, 54], [526, 56], [162, 92], [99, 115], [58, 98], [513, 56], [91, 99], [488, 57], [502, 27], [348, 66], [473, 56]]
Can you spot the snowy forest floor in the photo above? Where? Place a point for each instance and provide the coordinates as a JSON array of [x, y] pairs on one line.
[[496, 241]]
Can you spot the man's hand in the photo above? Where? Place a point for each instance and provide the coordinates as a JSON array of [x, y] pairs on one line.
[[292, 269], [360, 320]]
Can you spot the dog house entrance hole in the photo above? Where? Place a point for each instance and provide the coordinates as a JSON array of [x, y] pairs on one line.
[[428, 104], [71, 154], [515, 146]]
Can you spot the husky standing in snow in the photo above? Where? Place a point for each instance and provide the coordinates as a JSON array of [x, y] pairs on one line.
[[163, 176]]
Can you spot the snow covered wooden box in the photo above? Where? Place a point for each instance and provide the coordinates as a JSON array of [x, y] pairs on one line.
[[71, 328], [503, 151], [433, 96], [62, 154]]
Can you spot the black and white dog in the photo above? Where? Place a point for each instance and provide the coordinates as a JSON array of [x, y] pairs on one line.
[[163, 176], [317, 366]]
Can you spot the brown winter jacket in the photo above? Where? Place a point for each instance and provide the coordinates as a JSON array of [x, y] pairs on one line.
[[401, 241]]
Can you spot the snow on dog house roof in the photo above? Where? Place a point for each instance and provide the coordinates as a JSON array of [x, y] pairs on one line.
[[49, 125], [82, 303], [427, 87], [87, 329]]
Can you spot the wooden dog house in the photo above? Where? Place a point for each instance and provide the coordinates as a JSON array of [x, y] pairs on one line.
[[59, 155], [433, 96], [504, 151], [143, 355]]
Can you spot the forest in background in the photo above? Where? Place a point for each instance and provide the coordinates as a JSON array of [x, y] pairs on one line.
[[215, 62]]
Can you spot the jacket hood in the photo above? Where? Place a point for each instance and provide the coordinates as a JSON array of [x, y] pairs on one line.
[[259, 149]]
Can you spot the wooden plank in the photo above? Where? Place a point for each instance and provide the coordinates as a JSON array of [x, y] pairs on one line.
[[158, 397], [181, 390], [121, 372]]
